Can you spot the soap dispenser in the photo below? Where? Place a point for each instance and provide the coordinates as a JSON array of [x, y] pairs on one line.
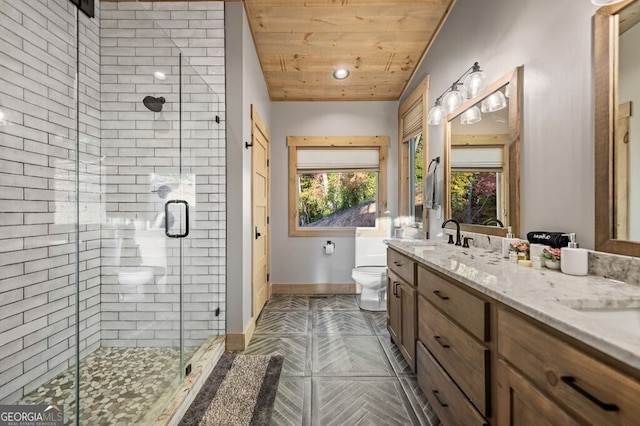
[[506, 242], [574, 260]]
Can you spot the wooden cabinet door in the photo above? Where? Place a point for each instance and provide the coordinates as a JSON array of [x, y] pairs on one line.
[[394, 308], [520, 403], [408, 320]]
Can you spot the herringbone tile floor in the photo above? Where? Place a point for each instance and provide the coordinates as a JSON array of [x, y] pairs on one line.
[[340, 367]]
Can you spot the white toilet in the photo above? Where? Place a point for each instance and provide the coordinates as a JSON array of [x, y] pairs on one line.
[[371, 272]]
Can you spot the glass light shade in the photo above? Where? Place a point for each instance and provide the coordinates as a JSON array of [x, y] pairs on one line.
[[494, 102], [470, 116], [436, 115], [452, 100], [474, 83]]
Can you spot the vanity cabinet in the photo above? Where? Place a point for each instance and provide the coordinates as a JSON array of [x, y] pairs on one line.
[[542, 374], [453, 329], [401, 305]]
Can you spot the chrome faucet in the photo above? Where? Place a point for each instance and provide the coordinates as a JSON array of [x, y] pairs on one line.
[[458, 242]]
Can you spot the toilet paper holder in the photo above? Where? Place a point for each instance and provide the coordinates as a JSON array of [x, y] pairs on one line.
[[330, 247]]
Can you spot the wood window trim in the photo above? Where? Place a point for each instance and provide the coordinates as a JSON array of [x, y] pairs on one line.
[[380, 142], [419, 94]]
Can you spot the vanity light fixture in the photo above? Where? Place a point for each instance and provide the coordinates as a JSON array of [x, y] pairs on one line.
[[436, 114], [454, 96], [475, 82], [341, 73], [160, 75], [453, 99]]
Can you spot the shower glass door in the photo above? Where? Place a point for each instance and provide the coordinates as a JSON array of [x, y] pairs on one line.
[[161, 244]]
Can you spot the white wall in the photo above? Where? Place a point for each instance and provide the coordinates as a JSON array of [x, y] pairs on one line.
[[245, 86], [553, 40], [301, 260]]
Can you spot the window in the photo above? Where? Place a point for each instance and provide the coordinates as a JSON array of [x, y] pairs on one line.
[[412, 157], [477, 184], [336, 184], [416, 186]]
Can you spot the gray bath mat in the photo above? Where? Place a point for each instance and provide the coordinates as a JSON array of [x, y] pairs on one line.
[[240, 391]]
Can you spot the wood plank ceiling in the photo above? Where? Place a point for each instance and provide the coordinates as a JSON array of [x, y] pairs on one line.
[[381, 42]]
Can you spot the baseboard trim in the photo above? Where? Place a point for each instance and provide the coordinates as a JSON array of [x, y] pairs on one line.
[[314, 288], [240, 341]]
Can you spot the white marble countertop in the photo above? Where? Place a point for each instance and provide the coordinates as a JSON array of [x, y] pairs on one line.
[[546, 295]]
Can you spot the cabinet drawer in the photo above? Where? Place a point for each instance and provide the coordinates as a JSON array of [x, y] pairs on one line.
[[401, 265], [465, 359], [586, 386], [466, 309], [450, 404]]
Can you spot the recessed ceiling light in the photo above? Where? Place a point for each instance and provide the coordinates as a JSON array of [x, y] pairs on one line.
[[159, 75], [340, 73]]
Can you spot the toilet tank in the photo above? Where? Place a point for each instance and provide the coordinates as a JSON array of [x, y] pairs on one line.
[[371, 251]]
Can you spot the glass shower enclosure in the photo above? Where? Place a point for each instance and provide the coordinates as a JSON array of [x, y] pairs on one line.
[[112, 270]]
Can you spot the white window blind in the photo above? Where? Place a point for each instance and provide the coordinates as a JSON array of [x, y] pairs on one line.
[[476, 158], [412, 121], [350, 158]]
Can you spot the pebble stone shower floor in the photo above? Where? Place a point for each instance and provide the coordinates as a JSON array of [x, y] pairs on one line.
[[120, 386]]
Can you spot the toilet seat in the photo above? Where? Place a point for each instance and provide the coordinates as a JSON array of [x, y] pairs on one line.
[[370, 271], [370, 276]]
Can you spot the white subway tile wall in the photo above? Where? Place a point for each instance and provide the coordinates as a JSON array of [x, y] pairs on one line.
[[125, 152], [38, 191]]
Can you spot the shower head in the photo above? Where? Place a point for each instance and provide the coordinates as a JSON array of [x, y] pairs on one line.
[[154, 104]]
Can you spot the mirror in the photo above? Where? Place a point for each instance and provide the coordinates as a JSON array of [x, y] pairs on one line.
[[482, 159], [617, 131]]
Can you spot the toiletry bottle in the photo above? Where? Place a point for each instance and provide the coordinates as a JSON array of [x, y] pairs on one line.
[[574, 260], [506, 243]]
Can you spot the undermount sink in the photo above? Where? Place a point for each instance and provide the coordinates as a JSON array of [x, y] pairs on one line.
[[424, 245], [624, 316]]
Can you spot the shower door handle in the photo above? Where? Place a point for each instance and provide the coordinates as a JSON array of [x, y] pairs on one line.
[[167, 214]]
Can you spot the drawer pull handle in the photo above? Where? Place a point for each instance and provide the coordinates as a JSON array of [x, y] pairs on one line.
[[395, 262], [437, 293], [571, 382], [435, 394], [395, 288], [438, 339]]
